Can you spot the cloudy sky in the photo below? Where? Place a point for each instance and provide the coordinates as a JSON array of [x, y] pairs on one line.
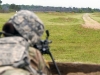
[[56, 3]]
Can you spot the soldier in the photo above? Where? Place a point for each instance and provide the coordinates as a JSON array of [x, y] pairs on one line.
[[27, 25]]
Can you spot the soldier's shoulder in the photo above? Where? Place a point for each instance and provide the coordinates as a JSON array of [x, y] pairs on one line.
[[33, 51]]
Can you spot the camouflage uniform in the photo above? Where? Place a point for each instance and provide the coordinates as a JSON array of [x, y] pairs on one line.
[[37, 63], [30, 27]]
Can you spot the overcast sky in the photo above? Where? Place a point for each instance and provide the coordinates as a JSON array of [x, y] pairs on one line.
[[56, 3]]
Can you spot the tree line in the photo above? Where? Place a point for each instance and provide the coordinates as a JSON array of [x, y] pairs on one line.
[[14, 7]]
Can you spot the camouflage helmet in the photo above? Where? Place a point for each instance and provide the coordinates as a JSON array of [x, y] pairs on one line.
[[28, 25]]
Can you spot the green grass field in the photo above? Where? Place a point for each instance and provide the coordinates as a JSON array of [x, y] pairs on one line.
[[70, 41]]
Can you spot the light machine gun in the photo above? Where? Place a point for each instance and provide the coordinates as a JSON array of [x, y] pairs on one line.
[[43, 46]]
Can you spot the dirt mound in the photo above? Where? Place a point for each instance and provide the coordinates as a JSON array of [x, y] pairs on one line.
[[76, 68]]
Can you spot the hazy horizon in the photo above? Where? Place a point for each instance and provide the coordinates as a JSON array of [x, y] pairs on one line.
[[57, 3]]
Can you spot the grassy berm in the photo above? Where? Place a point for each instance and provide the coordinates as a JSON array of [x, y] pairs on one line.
[[71, 42]]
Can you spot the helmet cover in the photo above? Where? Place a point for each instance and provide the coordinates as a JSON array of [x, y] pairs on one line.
[[28, 25]]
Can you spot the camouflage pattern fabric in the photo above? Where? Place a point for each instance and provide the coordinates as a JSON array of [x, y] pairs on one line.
[[8, 70], [37, 62], [10, 54], [28, 25]]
